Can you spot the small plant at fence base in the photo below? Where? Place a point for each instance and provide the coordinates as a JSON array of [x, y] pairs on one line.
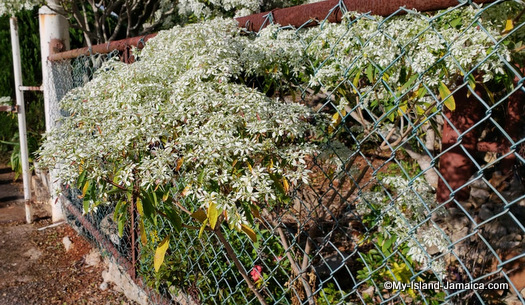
[[396, 215]]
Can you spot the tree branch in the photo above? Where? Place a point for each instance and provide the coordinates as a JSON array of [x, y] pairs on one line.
[[233, 257]]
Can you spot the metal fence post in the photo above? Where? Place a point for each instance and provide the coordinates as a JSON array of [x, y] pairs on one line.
[[22, 131], [54, 37]]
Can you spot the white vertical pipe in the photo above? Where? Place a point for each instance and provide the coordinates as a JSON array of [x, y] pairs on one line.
[[53, 26], [22, 132]]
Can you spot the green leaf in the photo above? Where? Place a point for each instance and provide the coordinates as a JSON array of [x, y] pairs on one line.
[[472, 84], [174, 218], [200, 179], [86, 206], [120, 224], [370, 73], [386, 247], [117, 214], [277, 184], [454, 23], [114, 190], [213, 214], [446, 96], [147, 205], [154, 199], [421, 92], [409, 83], [160, 253], [81, 179]]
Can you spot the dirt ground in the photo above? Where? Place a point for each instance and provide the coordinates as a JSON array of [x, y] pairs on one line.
[[34, 265]]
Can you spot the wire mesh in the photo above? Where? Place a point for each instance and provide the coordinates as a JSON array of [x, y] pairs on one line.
[[417, 198]]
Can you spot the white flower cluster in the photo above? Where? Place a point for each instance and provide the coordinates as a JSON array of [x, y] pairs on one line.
[[5, 101], [212, 8], [10, 7], [405, 214], [276, 53], [178, 116], [386, 52], [237, 8]]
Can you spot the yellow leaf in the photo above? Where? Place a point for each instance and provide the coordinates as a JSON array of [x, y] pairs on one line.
[[336, 119], [140, 209], [186, 190], [420, 110], [203, 227], [509, 25], [285, 184], [251, 233], [143, 237], [446, 96], [158, 260], [255, 212], [84, 190], [355, 82], [200, 215], [402, 109], [179, 163], [213, 214], [165, 196]]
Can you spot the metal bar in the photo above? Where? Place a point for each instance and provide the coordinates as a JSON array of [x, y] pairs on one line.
[[105, 48], [31, 88], [299, 15], [22, 131], [9, 108]]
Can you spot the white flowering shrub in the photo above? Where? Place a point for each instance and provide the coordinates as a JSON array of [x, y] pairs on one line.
[[406, 65], [190, 128], [177, 116], [10, 7]]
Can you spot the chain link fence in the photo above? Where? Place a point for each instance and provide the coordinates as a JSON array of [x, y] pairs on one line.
[[416, 198]]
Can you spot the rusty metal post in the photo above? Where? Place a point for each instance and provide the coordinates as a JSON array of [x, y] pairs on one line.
[[54, 37], [455, 165]]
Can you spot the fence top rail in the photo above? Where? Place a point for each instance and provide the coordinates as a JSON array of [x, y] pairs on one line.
[[297, 16], [308, 14], [103, 48]]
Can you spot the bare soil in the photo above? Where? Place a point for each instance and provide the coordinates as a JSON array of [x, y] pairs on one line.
[[34, 265]]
